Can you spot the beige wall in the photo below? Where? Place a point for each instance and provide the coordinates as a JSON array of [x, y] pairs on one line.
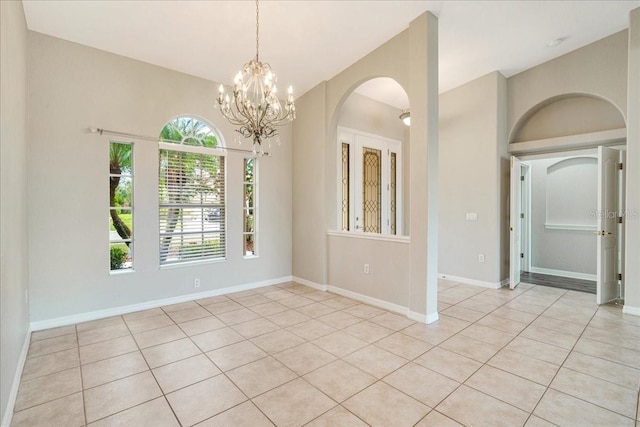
[[568, 198], [73, 87], [14, 274], [385, 281], [632, 234], [598, 69], [570, 116], [472, 138], [309, 198], [368, 115]]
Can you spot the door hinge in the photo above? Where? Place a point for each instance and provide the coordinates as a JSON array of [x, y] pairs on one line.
[[619, 220], [619, 276], [521, 255], [621, 166], [521, 177], [521, 215]]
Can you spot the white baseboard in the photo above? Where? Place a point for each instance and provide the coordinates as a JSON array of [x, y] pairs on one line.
[[432, 318], [309, 283], [13, 393], [116, 311], [386, 305], [474, 282], [422, 318], [634, 311], [562, 273], [369, 300], [504, 283], [418, 317]]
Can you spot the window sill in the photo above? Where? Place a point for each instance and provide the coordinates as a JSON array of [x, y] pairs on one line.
[[251, 257], [119, 272], [370, 236], [570, 227], [192, 263]]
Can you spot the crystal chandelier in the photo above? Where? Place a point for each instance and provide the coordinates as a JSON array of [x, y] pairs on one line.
[[255, 106]]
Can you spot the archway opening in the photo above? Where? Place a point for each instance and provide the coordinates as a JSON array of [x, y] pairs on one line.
[[372, 159]]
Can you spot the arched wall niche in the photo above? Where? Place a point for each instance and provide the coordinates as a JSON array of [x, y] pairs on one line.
[[565, 115], [373, 107], [391, 60]]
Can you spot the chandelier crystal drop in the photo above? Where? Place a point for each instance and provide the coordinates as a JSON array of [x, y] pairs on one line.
[[254, 105]]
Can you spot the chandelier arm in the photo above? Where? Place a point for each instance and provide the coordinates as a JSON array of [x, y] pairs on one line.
[[281, 121], [240, 109], [231, 116], [249, 121], [264, 113]]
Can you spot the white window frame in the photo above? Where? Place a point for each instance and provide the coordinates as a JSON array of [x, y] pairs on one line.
[[131, 247], [356, 140], [256, 211], [219, 151]]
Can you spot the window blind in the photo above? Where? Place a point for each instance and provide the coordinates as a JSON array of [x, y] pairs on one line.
[[192, 206]]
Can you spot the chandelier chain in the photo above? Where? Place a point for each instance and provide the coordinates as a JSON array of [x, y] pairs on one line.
[[257, 30]]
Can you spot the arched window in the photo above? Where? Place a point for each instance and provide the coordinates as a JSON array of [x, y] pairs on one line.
[[191, 192], [190, 131]]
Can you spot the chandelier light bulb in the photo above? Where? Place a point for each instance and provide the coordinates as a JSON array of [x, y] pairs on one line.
[[406, 117]]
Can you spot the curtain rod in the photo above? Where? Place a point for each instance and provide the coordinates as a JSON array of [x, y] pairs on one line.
[[101, 131]]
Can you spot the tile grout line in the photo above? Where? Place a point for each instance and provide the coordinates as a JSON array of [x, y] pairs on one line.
[[561, 366], [128, 376], [504, 346], [343, 329], [84, 406]]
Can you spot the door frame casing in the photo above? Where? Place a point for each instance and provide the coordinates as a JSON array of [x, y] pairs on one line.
[[525, 170], [525, 158], [350, 136]]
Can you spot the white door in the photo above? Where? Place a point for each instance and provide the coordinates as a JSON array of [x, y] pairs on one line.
[[515, 226], [371, 196], [607, 272]]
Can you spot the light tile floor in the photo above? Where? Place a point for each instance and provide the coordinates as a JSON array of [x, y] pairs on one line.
[[289, 355]]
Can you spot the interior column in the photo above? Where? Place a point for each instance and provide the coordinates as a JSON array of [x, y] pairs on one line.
[[632, 235], [423, 304]]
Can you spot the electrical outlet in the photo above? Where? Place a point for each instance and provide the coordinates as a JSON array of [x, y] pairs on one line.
[[196, 283], [480, 257], [366, 269]]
